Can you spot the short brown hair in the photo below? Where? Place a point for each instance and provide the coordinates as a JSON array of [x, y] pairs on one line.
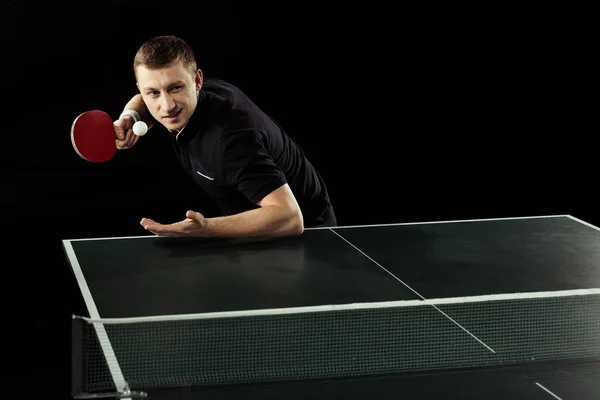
[[161, 51]]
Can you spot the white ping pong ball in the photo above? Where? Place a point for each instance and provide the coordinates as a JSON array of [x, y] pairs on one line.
[[140, 128]]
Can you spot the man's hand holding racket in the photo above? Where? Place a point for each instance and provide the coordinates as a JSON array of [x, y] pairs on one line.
[[96, 137]]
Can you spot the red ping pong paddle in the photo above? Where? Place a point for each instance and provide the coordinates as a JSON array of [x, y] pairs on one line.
[[93, 136]]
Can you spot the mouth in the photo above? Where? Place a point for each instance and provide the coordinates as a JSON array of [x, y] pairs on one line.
[[174, 116]]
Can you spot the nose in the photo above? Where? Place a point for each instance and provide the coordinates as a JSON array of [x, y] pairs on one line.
[[167, 103]]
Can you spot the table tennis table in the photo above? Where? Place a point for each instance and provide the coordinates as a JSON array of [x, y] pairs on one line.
[[491, 308]]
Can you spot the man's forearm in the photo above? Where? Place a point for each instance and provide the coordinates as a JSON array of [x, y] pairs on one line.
[[264, 221]]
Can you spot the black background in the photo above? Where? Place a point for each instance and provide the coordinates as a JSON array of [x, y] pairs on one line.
[[410, 114]]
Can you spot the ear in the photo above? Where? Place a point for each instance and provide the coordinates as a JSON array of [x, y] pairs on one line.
[[198, 79]]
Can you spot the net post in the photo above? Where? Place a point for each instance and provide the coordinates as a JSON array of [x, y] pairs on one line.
[[79, 368], [78, 357]]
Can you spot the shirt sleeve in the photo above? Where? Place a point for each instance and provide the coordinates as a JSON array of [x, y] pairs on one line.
[[247, 164]]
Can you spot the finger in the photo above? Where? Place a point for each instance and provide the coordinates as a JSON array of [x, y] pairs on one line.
[[194, 216], [130, 139], [127, 143], [119, 132], [160, 229], [164, 230], [153, 228], [147, 221], [125, 135], [121, 126]]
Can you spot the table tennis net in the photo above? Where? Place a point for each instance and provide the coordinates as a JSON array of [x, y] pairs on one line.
[[337, 341]]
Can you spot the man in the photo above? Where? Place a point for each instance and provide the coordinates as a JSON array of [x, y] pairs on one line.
[[258, 177]]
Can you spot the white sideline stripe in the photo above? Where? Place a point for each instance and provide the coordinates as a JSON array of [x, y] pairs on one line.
[[548, 391], [342, 307], [362, 226], [450, 221], [583, 222], [109, 355]]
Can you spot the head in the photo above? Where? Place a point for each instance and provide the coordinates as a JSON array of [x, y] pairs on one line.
[[168, 80]]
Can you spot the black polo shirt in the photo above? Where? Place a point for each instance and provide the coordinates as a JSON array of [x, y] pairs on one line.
[[237, 154]]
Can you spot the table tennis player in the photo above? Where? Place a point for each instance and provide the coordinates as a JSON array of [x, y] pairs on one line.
[[258, 177]]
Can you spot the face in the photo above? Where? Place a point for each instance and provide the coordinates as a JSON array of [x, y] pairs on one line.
[[170, 93]]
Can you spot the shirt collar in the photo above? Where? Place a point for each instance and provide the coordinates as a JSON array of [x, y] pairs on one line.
[[191, 128]]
